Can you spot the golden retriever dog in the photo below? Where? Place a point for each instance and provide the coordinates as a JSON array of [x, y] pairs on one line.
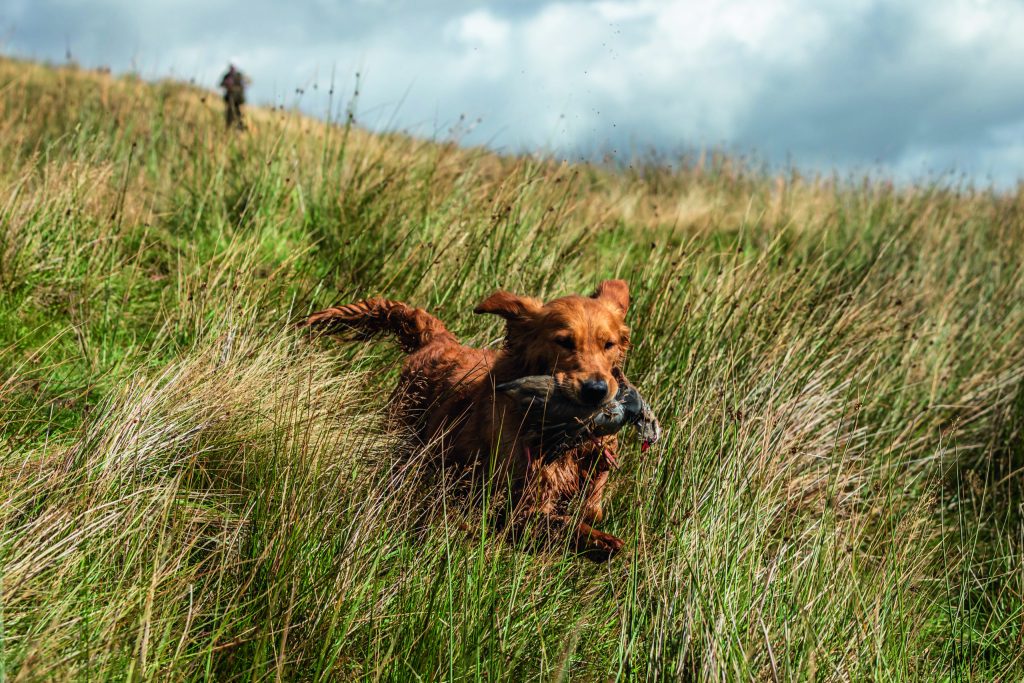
[[446, 395]]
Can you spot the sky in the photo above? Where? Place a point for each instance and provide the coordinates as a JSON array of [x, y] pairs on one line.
[[910, 89]]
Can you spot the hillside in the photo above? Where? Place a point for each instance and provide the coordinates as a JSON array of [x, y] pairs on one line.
[[192, 490]]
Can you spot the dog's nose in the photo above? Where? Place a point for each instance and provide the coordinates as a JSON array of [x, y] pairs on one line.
[[594, 391]]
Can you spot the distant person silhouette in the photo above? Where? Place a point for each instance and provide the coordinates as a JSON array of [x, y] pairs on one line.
[[233, 83]]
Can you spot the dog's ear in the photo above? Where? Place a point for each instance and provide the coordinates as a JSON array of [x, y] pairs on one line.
[[614, 291], [509, 306]]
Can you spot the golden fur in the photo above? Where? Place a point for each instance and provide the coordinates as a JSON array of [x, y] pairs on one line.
[[446, 395]]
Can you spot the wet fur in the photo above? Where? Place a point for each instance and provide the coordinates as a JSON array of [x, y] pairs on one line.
[[446, 395]]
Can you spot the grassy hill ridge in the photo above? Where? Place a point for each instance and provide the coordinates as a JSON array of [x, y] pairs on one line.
[[192, 491]]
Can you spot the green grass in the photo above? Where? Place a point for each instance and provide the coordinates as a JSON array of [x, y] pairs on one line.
[[191, 490]]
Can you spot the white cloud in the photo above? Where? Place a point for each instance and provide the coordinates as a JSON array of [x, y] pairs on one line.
[[480, 28]]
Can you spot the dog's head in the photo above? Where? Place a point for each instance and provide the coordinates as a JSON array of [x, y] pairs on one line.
[[579, 340]]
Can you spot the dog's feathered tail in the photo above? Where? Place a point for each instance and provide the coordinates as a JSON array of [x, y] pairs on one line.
[[414, 327]]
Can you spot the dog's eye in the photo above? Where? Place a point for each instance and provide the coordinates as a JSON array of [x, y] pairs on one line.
[[566, 343], [609, 345]]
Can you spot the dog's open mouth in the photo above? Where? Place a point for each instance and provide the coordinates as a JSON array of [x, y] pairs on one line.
[[559, 423]]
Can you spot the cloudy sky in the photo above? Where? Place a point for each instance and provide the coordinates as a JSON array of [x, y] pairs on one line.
[[902, 87]]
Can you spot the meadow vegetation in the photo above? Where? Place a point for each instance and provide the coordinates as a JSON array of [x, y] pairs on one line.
[[190, 489]]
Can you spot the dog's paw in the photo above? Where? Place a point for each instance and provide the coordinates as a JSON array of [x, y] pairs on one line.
[[601, 547]]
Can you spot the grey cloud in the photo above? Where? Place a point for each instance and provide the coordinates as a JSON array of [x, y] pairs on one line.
[[886, 94]]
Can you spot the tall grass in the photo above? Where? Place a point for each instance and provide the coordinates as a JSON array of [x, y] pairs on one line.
[[191, 490]]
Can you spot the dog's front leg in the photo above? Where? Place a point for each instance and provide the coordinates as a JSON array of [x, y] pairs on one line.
[[539, 488]]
